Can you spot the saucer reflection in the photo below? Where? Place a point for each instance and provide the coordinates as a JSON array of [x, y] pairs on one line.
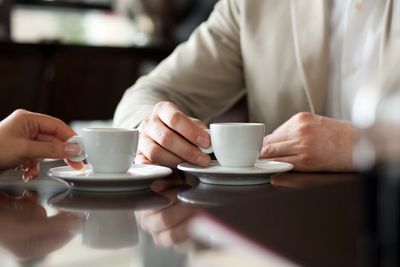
[[219, 195], [108, 219], [75, 200]]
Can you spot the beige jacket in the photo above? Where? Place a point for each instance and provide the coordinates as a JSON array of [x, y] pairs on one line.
[[275, 51]]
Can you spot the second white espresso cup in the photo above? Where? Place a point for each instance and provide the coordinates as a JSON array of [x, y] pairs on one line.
[[236, 144], [107, 150]]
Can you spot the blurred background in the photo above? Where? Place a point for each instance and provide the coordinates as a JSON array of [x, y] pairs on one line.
[[74, 59]]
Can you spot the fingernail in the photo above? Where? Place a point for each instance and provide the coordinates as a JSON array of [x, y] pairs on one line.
[[203, 160], [202, 141], [73, 149]]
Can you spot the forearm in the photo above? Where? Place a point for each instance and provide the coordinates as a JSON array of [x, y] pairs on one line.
[[203, 77], [135, 105]]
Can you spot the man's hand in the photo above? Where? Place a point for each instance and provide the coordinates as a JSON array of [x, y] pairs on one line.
[[169, 137], [312, 143]]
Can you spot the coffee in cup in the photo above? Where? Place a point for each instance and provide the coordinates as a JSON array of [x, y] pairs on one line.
[[107, 150], [236, 144]]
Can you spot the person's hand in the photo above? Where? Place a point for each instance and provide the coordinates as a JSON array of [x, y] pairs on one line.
[[27, 232], [312, 143], [27, 137], [169, 137]]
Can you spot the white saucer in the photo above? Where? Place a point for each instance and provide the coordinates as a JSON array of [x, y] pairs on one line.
[[216, 174], [138, 177], [87, 201]]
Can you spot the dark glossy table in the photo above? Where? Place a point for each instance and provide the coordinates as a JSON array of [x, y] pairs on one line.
[[309, 219]]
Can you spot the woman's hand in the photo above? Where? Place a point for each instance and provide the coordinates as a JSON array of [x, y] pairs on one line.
[[27, 137]]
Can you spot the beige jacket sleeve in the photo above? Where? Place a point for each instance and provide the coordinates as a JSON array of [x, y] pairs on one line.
[[203, 77]]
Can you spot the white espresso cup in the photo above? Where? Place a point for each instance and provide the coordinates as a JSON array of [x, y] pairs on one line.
[[236, 144], [107, 150]]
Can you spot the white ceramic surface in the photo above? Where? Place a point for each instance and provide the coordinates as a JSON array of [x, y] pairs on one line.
[[217, 174], [99, 232], [108, 150], [139, 176], [236, 144]]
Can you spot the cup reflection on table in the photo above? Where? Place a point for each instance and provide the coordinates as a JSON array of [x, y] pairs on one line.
[[110, 229], [108, 218]]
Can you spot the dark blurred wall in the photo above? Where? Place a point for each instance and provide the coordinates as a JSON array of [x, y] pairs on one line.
[[79, 82], [175, 20], [5, 6]]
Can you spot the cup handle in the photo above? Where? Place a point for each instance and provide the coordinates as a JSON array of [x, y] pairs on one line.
[[209, 149], [76, 139]]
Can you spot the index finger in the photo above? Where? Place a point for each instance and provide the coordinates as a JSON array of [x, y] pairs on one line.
[[48, 125], [175, 119]]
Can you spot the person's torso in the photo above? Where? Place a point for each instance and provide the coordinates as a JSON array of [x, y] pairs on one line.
[[272, 63]]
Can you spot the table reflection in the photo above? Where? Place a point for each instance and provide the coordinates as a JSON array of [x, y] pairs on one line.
[[221, 195], [108, 218], [43, 223], [168, 225], [27, 232], [296, 180]]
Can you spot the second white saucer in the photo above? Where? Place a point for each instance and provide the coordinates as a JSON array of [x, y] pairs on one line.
[[216, 174]]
